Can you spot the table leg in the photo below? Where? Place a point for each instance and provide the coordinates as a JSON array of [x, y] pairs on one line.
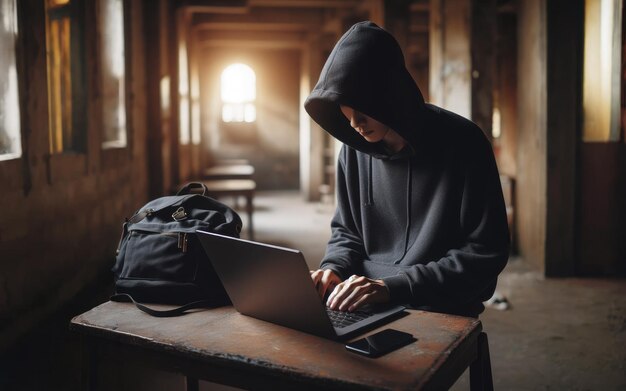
[[89, 364], [480, 369], [250, 210], [192, 383]]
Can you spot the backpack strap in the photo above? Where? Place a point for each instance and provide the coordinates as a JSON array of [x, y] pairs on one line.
[[194, 188], [124, 232], [124, 297], [137, 217]]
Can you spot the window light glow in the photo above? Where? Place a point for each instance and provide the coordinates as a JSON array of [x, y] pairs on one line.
[[238, 92], [10, 135], [496, 130], [602, 71]]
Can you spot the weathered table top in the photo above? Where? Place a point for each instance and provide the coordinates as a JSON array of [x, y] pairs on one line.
[[245, 346]]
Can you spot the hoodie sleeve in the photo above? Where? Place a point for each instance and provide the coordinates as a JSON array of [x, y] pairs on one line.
[[345, 247], [467, 274]]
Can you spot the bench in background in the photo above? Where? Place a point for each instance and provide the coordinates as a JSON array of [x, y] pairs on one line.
[[235, 187]]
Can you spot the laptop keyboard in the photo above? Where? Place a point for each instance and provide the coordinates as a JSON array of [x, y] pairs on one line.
[[341, 319]]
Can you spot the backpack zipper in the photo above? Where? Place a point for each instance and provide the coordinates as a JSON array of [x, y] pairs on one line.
[[182, 237], [182, 241]]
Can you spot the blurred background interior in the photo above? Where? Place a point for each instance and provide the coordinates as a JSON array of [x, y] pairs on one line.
[[107, 104]]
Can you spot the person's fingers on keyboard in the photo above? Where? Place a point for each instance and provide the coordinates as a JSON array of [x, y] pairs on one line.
[[329, 282], [337, 296], [324, 281], [358, 286], [314, 277], [375, 291], [358, 291]]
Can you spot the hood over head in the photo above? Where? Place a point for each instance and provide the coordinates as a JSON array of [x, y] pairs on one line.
[[366, 71]]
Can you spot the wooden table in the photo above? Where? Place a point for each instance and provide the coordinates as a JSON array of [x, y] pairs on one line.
[[226, 347]]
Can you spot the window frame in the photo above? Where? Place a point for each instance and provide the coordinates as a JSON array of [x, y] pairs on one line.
[[70, 164], [114, 144], [18, 55], [601, 90], [252, 102], [14, 174], [112, 158], [75, 10]]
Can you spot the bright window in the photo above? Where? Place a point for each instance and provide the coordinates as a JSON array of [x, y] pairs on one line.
[[238, 91], [113, 73], [602, 70], [65, 103], [183, 93], [195, 108], [10, 143]]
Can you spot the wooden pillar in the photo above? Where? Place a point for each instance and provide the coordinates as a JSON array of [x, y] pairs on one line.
[[173, 21], [158, 96], [462, 65], [450, 49], [505, 97], [549, 98], [532, 127], [376, 12], [483, 54], [563, 132], [311, 135]]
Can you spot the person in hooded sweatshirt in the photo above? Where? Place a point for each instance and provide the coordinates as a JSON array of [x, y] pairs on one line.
[[420, 217]]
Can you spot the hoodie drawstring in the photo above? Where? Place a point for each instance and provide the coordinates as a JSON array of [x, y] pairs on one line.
[[407, 229], [369, 183], [409, 193]]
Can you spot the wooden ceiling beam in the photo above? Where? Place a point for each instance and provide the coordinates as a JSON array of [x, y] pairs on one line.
[[215, 6], [263, 16], [252, 44], [305, 3], [280, 27], [208, 35]]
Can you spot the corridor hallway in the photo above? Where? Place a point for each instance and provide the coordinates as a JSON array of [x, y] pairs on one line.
[[108, 104]]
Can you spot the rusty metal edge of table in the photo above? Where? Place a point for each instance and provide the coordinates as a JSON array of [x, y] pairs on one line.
[[442, 375]]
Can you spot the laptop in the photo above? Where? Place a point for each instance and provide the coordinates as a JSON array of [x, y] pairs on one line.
[[274, 284]]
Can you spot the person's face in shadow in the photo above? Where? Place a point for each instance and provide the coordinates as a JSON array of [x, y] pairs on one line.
[[372, 130]]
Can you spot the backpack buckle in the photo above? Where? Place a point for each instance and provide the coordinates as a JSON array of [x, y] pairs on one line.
[[180, 214]]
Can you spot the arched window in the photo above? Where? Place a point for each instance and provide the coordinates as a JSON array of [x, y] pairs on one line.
[[238, 91]]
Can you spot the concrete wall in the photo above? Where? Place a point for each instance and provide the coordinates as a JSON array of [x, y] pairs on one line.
[[61, 215]]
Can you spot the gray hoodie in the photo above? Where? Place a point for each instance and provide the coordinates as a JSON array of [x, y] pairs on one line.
[[428, 220]]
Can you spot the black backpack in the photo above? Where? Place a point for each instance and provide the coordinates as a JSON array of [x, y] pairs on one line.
[[160, 259]]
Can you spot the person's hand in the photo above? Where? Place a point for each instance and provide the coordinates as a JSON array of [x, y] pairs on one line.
[[357, 291], [325, 281]]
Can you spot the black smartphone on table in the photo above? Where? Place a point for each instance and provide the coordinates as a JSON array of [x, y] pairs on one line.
[[380, 343]]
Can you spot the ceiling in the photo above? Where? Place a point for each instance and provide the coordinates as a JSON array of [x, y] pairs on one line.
[[274, 23]]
